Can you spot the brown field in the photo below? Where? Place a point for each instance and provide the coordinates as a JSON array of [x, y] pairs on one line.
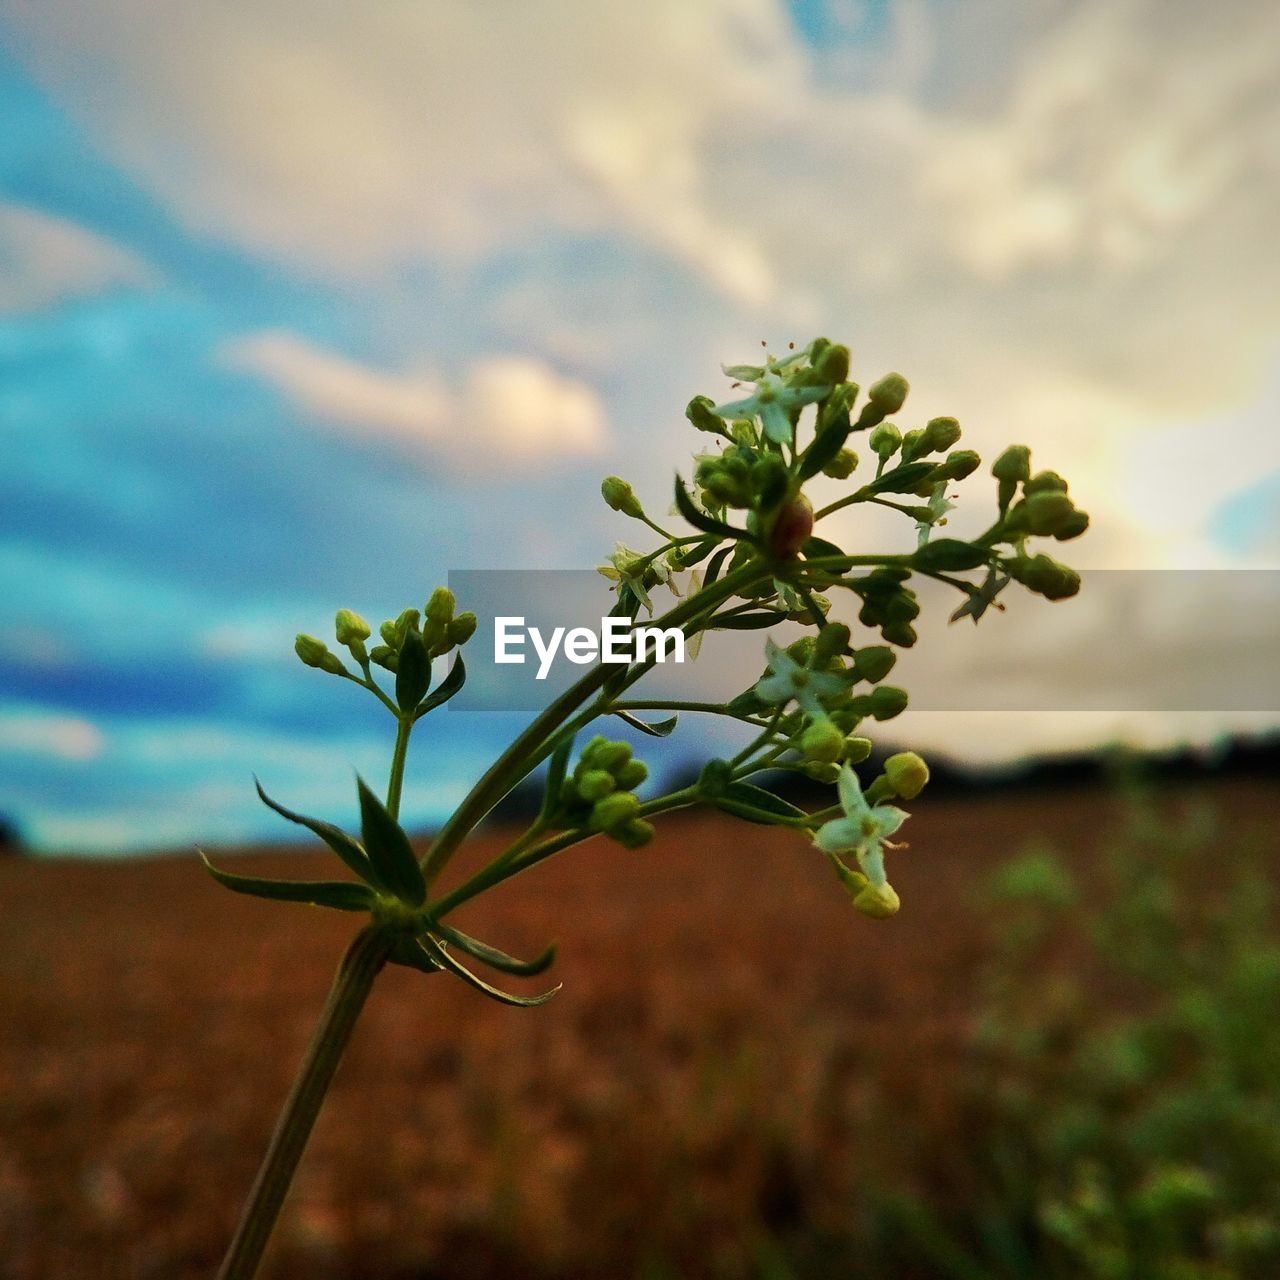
[[736, 1059]]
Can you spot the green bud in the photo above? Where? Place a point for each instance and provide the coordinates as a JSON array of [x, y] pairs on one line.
[[831, 363], [611, 755], [462, 628], [824, 771], [350, 627], [441, 605], [595, 784], [1013, 464], [903, 634], [1073, 526], [877, 902], [614, 810], [1044, 482], [407, 621], [885, 440], [889, 394], [632, 774], [634, 834], [621, 497], [831, 641], [842, 466], [388, 632], [699, 413], [961, 463], [1045, 576], [1047, 510], [384, 655], [939, 434], [715, 776], [856, 749], [822, 741], [888, 701], [769, 481], [313, 652], [907, 774], [874, 662], [913, 445]]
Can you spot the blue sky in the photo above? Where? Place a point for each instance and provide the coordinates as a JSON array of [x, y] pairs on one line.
[[300, 310]]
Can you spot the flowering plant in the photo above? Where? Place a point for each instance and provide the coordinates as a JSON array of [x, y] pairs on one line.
[[753, 561]]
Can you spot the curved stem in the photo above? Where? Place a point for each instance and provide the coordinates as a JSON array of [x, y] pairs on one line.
[[360, 965]]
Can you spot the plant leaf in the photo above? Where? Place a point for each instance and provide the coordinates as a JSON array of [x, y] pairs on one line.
[[453, 681], [717, 565], [748, 621], [408, 953], [815, 547], [413, 670], [389, 850], [342, 895], [700, 519], [655, 728], [343, 845], [825, 446], [557, 767], [901, 479], [441, 956], [755, 804], [494, 958]]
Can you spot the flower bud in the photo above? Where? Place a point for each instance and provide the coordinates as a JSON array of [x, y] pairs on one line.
[[388, 633], [441, 605], [822, 741], [791, 527], [632, 774], [825, 771], [1013, 464], [462, 628], [907, 774], [1045, 482], [939, 434], [961, 463], [634, 834], [595, 784], [699, 412], [1073, 526], [620, 496], [350, 627], [611, 755], [888, 701], [885, 439], [716, 775], [889, 394], [384, 655], [841, 467], [769, 480], [1045, 576], [831, 641], [856, 749], [877, 901], [1047, 511], [831, 363], [913, 445], [614, 810], [903, 634], [313, 652], [874, 662]]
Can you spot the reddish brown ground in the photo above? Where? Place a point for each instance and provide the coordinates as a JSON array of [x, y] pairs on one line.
[[735, 1055]]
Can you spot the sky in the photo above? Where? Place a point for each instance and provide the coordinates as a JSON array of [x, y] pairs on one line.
[[305, 304]]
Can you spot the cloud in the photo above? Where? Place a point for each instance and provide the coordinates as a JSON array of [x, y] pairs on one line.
[[39, 732], [45, 259], [514, 404]]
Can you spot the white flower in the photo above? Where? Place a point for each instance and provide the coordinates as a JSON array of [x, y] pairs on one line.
[[863, 831], [789, 681], [773, 403], [937, 509], [633, 568]]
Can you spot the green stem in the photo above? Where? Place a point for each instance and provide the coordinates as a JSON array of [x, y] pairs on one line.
[[404, 728], [360, 965]]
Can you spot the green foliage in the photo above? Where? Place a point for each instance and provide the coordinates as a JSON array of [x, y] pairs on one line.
[[1125, 1099]]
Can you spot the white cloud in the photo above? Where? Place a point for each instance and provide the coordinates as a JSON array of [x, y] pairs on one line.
[[45, 733], [44, 259], [516, 404]]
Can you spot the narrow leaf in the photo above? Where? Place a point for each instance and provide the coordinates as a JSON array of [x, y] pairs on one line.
[[343, 845], [816, 547], [825, 446], [442, 957], [496, 959], [342, 895], [696, 554], [556, 769], [901, 479], [717, 564], [700, 519], [655, 728], [450, 685], [755, 804], [748, 621], [389, 850], [413, 670]]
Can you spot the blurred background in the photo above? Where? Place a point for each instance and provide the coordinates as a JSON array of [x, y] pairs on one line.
[[305, 305]]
